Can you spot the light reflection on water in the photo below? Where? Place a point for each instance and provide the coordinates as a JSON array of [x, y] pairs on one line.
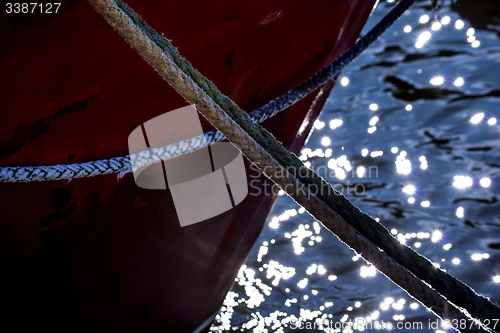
[[414, 120]]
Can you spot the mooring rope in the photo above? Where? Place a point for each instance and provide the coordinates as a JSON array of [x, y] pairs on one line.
[[446, 296], [122, 164]]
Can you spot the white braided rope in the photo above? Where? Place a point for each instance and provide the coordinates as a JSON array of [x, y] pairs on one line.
[[121, 164]]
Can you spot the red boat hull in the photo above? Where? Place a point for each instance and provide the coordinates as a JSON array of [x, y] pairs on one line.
[[100, 253]]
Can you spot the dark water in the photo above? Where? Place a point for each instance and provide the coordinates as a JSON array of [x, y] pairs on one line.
[[417, 126]]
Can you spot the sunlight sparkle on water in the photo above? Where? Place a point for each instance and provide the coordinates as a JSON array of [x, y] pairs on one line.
[[332, 277], [274, 224], [437, 80], [318, 124], [311, 269], [399, 305], [477, 257], [422, 39], [302, 283], [416, 176], [334, 123], [403, 166], [470, 32], [297, 236], [409, 189], [360, 171], [470, 39], [246, 278], [278, 271], [436, 26], [475, 43], [476, 119], [459, 82], [401, 238], [424, 19], [423, 163], [436, 236], [485, 182], [445, 324], [368, 271], [462, 182]]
